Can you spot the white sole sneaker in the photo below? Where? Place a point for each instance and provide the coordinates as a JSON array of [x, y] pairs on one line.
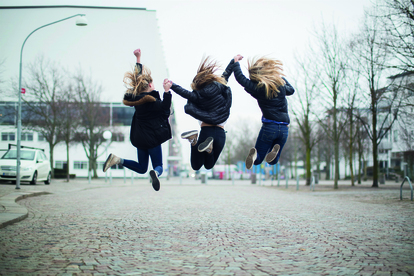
[[154, 180], [272, 155], [187, 134], [251, 158], [107, 162], [207, 145]]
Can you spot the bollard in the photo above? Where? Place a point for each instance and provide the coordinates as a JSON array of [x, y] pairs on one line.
[[253, 178], [411, 187], [203, 178], [287, 178], [278, 179], [312, 185], [297, 182]]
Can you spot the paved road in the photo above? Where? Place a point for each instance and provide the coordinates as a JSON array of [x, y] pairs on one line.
[[213, 229]]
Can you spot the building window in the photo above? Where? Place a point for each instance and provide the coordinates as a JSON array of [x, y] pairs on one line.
[[27, 136], [118, 137], [395, 135], [80, 165], [40, 137], [7, 136], [60, 165]]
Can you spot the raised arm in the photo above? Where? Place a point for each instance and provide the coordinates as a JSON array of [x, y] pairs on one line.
[[191, 96], [289, 88], [249, 85], [229, 69], [138, 66]]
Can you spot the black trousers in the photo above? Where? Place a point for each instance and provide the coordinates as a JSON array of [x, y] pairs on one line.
[[198, 159]]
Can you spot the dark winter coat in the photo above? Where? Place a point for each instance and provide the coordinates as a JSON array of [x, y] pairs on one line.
[[210, 104], [275, 108], [150, 126]]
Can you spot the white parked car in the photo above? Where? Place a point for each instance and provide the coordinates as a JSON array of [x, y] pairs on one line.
[[34, 166]]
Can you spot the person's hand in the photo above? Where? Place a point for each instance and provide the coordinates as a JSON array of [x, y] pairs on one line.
[[237, 58], [137, 53], [167, 85]]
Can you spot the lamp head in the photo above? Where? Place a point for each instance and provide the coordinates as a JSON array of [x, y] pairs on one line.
[[81, 21], [107, 135]]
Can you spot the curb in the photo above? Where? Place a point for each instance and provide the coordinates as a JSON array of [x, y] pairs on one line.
[[14, 212]]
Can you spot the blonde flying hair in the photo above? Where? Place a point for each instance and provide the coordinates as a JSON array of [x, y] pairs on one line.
[[205, 74], [268, 73], [137, 83]]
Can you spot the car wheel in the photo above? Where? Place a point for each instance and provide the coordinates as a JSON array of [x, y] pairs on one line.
[[49, 179], [34, 179]]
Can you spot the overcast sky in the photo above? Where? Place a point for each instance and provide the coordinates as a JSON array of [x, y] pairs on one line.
[[191, 29]]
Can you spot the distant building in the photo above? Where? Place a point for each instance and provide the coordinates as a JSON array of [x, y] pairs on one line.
[[120, 121]]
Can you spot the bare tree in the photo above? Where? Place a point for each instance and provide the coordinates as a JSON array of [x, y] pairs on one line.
[[305, 108], [395, 18], [70, 123], [372, 56], [332, 68], [94, 118], [46, 86]]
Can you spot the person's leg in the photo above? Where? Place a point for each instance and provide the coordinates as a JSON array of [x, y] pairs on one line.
[[156, 159], [264, 142], [219, 136], [281, 141], [141, 166], [197, 158]]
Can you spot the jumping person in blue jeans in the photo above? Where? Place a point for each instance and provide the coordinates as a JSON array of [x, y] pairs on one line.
[[150, 127], [270, 89], [210, 103]]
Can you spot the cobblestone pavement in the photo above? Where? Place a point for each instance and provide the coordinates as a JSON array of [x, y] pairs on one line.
[[214, 229]]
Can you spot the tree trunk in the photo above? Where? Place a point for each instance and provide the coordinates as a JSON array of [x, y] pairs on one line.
[[375, 166], [351, 149], [51, 149], [359, 165], [374, 138], [336, 143], [67, 161], [308, 165]]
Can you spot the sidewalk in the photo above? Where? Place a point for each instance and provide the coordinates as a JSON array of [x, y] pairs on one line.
[[11, 212]]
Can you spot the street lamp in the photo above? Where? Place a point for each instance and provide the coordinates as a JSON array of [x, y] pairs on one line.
[[80, 22]]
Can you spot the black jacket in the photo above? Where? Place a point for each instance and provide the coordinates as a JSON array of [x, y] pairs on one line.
[[210, 104], [275, 108], [150, 126]]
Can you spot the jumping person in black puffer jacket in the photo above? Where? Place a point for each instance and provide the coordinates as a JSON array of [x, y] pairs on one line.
[[210, 103], [268, 86], [150, 127]]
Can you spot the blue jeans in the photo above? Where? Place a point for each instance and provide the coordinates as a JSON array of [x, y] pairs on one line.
[[199, 159], [270, 134], [143, 156]]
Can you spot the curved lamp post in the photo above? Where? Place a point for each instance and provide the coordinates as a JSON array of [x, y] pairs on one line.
[[80, 22]]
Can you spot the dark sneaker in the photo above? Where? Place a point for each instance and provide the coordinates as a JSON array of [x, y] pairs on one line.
[[111, 161], [154, 180], [191, 136], [272, 155], [207, 145], [251, 158]]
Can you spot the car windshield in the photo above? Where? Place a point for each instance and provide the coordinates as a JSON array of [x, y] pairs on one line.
[[24, 155]]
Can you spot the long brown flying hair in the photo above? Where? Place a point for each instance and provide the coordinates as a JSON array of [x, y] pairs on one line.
[[268, 73], [205, 74], [137, 83]]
